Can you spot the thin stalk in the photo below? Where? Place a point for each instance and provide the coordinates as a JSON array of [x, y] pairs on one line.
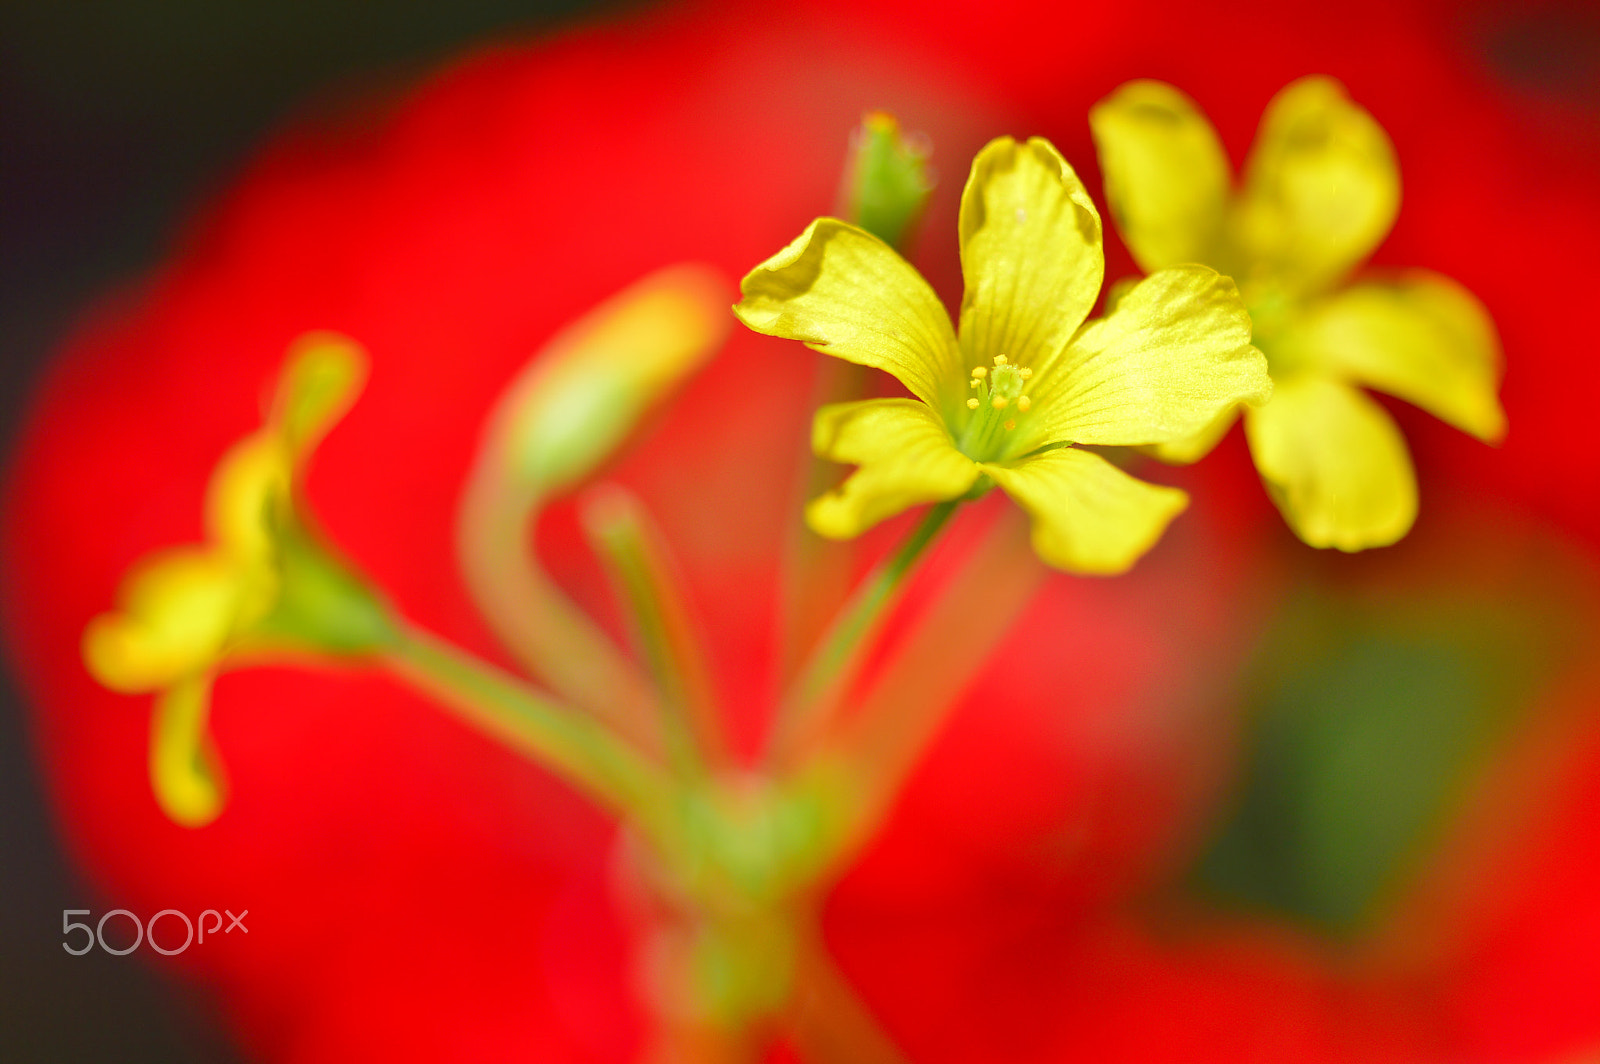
[[546, 632], [815, 574], [565, 741], [814, 695], [639, 563], [879, 747]]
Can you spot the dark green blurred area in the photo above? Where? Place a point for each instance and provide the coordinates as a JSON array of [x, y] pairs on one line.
[[1373, 707], [116, 116]]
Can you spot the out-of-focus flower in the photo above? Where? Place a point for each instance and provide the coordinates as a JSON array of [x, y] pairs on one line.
[[261, 585], [1320, 191], [1174, 351]]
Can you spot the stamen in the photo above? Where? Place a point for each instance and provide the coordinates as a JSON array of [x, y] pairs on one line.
[[998, 403]]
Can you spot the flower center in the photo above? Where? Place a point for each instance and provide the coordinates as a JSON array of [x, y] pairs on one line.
[[998, 397]]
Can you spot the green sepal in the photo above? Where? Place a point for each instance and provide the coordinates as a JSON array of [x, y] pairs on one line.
[[323, 604]]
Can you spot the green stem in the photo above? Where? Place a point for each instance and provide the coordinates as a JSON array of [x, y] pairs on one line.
[[814, 695], [568, 743], [639, 563], [815, 573], [875, 752], [544, 630]]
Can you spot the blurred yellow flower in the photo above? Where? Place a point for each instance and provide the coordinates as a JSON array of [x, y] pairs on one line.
[[1026, 379], [1320, 191], [259, 583]]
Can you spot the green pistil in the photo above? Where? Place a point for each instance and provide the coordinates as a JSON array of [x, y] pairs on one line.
[[1270, 307], [999, 398]]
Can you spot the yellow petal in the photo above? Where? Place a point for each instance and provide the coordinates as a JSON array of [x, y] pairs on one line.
[[1335, 463], [585, 393], [248, 486], [906, 458], [176, 612], [1321, 187], [1192, 448], [1172, 357], [185, 771], [846, 293], [1166, 176], [1422, 338], [1031, 254], [320, 379], [1088, 515]]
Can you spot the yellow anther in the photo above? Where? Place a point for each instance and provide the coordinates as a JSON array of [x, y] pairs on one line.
[[999, 360], [972, 404], [981, 372], [1024, 373], [972, 383], [1011, 423], [1023, 402], [999, 402]]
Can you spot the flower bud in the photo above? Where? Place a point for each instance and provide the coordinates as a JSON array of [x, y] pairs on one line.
[[887, 180], [575, 406]]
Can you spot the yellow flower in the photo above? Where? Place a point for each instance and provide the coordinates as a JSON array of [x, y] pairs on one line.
[[260, 584], [1320, 191], [1026, 378]]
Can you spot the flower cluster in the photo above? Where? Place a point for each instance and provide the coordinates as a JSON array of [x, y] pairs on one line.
[[1171, 364], [1004, 399]]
